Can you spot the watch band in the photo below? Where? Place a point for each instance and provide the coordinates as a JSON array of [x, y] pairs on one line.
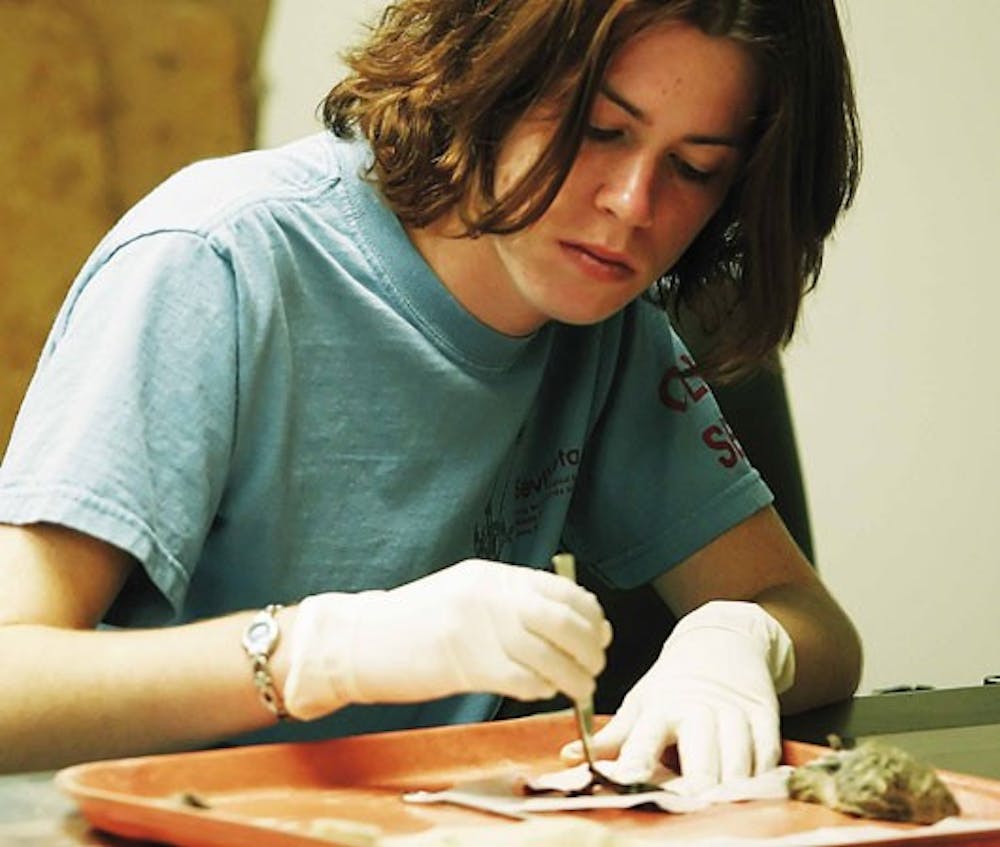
[[260, 639]]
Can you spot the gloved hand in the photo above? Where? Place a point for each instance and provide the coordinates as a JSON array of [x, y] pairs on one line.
[[712, 691], [475, 626]]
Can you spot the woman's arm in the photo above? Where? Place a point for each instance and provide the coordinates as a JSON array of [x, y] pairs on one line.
[[757, 560], [755, 624], [71, 693]]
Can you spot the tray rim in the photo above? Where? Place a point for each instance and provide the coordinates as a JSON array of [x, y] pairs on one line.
[[152, 817]]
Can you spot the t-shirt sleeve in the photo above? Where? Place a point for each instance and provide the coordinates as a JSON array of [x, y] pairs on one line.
[[662, 473], [126, 430]]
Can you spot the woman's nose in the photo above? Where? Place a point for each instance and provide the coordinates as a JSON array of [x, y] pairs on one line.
[[627, 192]]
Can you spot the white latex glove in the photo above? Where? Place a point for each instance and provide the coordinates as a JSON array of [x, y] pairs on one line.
[[712, 691], [475, 626]]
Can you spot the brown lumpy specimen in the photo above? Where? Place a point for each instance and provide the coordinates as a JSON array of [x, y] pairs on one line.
[[874, 781]]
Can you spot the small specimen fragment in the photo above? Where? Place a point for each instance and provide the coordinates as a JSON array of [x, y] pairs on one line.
[[193, 801]]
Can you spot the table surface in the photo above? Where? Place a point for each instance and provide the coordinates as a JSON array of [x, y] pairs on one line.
[[34, 813], [956, 729]]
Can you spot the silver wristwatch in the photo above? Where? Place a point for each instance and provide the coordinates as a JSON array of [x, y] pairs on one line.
[[260, 639]]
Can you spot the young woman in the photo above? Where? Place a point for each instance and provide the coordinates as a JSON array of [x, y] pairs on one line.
[[380, 376]]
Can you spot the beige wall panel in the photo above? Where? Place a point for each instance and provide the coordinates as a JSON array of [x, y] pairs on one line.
[[176, 75], [53, 177], [108, 98]]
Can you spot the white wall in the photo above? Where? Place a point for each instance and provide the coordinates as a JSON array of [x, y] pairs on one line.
[[300, 62], [892, 377]]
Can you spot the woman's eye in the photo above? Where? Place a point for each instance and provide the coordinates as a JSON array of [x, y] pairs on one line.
[[597, 133], [689, 172]]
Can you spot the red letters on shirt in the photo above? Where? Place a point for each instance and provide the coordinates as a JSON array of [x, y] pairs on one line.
[[678, 389]]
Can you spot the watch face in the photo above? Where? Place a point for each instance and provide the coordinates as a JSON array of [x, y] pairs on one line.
[[260, 636]]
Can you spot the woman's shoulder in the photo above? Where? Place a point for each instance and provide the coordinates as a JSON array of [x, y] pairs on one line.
[[213, 194]]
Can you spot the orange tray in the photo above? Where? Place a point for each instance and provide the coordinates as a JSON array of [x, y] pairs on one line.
[[275, 794]]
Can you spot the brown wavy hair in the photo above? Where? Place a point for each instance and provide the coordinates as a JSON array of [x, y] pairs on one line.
[[439, 83]]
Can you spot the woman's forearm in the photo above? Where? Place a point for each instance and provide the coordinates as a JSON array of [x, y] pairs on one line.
[[75, 695], [827, 647]]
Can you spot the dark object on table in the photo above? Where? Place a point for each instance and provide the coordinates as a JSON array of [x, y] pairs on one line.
[[874, 781]]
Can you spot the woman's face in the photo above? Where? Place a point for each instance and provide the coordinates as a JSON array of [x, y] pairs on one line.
[[664, 144]]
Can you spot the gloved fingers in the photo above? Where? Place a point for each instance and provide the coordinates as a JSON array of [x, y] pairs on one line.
[[551, 665], [525, 598], [582, 646], [568, 615], [735, 742], [698, 748], [558, 623], [523, 683], [642, 746], [567, 592], [608, 739], [765, 726], [572, 753]]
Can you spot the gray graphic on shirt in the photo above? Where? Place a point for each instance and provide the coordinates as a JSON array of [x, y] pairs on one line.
[[493, 533], [530, 493]]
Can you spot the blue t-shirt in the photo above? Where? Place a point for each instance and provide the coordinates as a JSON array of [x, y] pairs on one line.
[[259, 389]]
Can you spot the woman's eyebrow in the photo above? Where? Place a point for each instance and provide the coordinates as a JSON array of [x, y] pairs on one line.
[[637, 113], [624, 104]]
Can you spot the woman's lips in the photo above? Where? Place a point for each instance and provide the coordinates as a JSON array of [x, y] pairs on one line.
[[596, 261]]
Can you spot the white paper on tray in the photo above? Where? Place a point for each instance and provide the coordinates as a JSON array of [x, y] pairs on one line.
[[502, 795], [505, 796]]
